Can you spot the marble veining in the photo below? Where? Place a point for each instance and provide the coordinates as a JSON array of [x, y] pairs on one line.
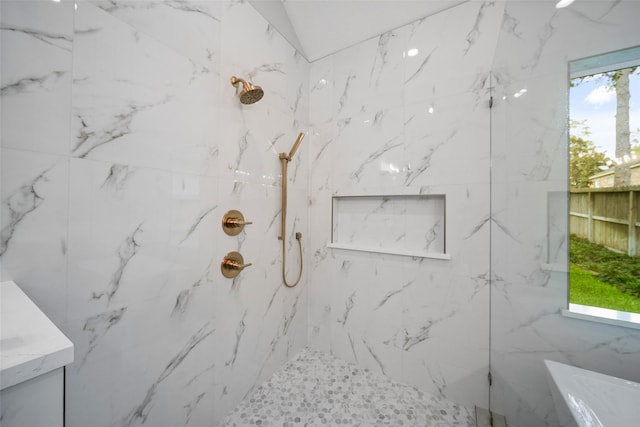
[[197, 222], [474, 34], [316, 389], [389, 145], [18, 205], [243, 144], [418, 71], [348, 307], [29, 84], [239, 332], [141, 412], [423, 164], [406, 339], [345, 92], [125, 252], [61, 41], [118, 126], [381, 58], [374, 356], [97, 326], [113, 6], [118, 177], [393, 293], [183, 298], [288, 319]]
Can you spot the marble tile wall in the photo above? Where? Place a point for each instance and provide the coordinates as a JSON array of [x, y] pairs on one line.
[[529, 205], [385, 122], [123, 144]]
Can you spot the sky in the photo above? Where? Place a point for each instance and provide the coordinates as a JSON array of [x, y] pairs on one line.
[[593, 102]]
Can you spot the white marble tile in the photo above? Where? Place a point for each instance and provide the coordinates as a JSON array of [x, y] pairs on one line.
[[136, 356], [255, 338], [35, 226], [36, 89], [531, 406], [443, 146], [138, 383], [120, 226], [436, 333], [532, 146], [371, 156], [466, 385], [135, 233], [250, 152], [320, 268], [455, 51], [126, 85], [350, 81], [191, 28], [368, 77], [321, 91], [524, 220], [323, 149]]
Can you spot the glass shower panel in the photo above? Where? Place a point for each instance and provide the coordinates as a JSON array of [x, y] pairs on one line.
[[529, 208]]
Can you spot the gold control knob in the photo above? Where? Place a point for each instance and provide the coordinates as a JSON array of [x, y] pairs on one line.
[[232, 264], [233, 222]]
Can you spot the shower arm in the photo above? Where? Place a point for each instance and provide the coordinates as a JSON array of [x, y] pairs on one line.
[[284, 160]]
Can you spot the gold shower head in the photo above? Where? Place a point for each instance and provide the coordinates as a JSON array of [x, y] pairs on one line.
[[250, 93]]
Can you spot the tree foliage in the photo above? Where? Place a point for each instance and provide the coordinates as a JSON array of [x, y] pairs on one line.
[[618, 81], [585, 161]]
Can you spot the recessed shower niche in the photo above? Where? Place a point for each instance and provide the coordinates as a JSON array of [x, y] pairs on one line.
[[410, 225]]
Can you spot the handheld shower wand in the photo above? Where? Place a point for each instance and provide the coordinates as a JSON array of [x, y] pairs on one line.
[[296, 145], [284, 160]]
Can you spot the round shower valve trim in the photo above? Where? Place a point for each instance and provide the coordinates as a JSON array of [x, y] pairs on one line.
[[232, 264], [233, 222]]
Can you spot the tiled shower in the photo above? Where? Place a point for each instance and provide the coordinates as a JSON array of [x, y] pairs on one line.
[[123, 145]]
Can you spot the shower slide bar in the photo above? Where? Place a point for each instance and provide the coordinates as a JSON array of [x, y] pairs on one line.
[[284, 160]]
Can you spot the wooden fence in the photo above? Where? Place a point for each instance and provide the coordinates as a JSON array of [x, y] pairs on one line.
[[607, 216]]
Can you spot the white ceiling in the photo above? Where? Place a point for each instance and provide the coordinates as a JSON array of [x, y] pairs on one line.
[[318, 28]]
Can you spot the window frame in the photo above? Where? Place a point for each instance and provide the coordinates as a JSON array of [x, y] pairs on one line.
[[588, 66]]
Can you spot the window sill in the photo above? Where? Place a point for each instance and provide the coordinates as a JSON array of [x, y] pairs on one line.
[[603, 315]]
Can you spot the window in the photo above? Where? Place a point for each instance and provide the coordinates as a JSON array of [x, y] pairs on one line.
[[604, 175]]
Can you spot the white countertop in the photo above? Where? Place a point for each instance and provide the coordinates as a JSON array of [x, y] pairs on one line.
[[30, 344]]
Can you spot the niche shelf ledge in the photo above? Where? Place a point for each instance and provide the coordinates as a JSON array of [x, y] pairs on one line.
[[413, 254]]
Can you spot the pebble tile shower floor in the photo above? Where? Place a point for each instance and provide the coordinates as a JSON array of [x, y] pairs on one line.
[[316, 389]]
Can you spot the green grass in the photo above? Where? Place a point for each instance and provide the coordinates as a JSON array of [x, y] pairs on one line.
[[586, 289], [619, 270]]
